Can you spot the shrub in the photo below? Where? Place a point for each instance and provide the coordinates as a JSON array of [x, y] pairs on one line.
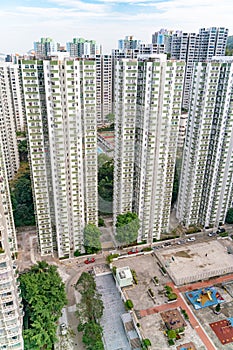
[[155, 279], [168, 289], [171, 342], [185, 314], [151, 293], [101, 222], [114, 270], [147, 249], [172, 296], [129, 304], [223, 234], [80, 327], [77, 253], [134, 276], [171, 333], [217, 308], [146, 343], [110, 257]]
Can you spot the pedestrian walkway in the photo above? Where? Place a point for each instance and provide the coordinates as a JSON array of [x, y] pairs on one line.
[[113, 331]]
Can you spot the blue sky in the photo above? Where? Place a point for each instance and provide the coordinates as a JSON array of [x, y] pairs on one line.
[[24, 21]]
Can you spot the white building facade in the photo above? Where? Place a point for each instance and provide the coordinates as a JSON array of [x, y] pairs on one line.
[[11, 316], [60, 106], [148, 95], [205, 192], [8, 120]]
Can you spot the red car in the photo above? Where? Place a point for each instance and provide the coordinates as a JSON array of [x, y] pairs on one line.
[[133, 251], [89, 260]]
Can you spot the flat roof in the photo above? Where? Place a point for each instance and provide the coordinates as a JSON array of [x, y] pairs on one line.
[[196, 261]]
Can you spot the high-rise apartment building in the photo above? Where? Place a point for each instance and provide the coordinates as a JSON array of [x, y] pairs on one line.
[[193, 47], [104, 81], [205, 192], [80, 47], [45, 47], [148, 94], [8, 111], [10, 308], [128, 43], [163, 39], [60, 102]]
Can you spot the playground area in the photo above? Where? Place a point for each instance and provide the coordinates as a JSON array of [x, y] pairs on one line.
[[204, 297], [187, 346], [196, 261], [173, 319], [223, 330]]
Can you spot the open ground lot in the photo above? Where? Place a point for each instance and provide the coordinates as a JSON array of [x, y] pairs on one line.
[[196, 261]]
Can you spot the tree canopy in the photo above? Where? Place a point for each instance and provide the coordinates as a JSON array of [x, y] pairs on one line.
[[89, 312], [229, 217], [43, 294], [23, 150], [175, 186], [105, 180], [21, 198], [92, 239], [127, 227]]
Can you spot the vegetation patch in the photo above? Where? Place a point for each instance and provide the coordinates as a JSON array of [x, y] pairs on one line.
[[89, 312], [127, 227], [43, 294]]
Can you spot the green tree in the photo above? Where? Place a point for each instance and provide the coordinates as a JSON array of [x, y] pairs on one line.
[[229, 217], [175, 186], [127, 227], [103, 158], [23, 150], [43, 294], [105, 180], [90, 309], [92, 336], [89, 312], [22, 199], [171, 333], [92, 239], [110, 118]]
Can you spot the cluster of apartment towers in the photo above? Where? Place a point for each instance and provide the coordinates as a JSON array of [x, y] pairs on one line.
[[60, 97]]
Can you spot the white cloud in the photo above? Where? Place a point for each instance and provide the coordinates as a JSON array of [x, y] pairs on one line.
[[100, 21]]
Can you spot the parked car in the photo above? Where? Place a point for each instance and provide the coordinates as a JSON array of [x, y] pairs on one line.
[[181, 241], [133, 251], [63, 329], [211, 234], [167, 244], [89, 260], [191, 239]]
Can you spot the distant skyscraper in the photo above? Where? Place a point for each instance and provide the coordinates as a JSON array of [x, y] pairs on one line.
[[10, 308], [128, 43], [45, 47], [60, 101], [10, 115], [163, 38], [205, 192], [104, 82], [148, 94], [80, 47], [193, 47]]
